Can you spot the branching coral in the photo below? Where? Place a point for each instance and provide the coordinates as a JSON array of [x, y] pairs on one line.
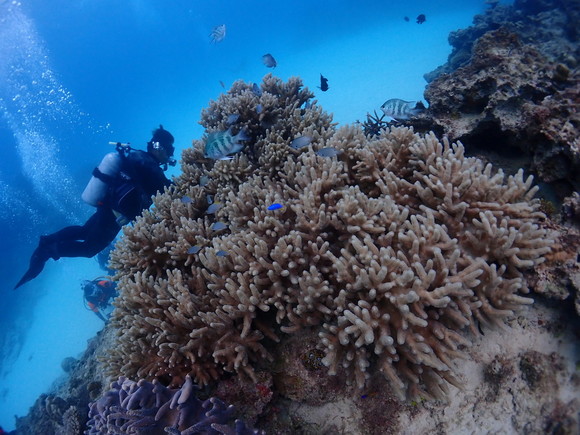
[[391, 249]]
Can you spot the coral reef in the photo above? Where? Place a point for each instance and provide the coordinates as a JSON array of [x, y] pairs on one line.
[[251, 399], [571, 209], [390, 249], [558, 277], [510, 91], [381, 261], [549, 25], [52, 415], [524, 380], [143, 407], [299, 372], [68, 364], [64, 409], [507, 101]]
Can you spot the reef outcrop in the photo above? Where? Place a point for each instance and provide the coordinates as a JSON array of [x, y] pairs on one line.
[[551, 26], [510, 92], [390, 250], [64, 410]]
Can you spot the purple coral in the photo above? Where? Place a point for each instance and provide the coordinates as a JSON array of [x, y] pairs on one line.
[[143, 407]]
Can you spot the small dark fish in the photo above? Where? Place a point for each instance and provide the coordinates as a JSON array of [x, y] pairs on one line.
[[232, 119], [222, 84], [194, 249], [218, 33], [421, 19], [275, 206], [406, 19], [328, 152], [204, 180], [257, 90], [269, 60], [218, 226], [300, 142], [259, 109], [323, 83], [186, 200], [221, 253], [214, 207]]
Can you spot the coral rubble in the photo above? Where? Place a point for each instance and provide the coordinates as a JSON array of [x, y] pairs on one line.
[[524, 380], [390, 249]]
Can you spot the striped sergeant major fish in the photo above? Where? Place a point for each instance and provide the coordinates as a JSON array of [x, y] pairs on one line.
[[219, 145], [401, 109], [218, 34]]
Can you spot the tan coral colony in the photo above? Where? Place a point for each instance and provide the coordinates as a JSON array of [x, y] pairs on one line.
[[392, 250]]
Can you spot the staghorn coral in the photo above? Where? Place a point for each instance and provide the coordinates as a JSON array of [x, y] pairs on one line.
[[391, 251], [142, 407]]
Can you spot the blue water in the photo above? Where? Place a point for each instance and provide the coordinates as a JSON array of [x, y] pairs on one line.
[[75, 75]]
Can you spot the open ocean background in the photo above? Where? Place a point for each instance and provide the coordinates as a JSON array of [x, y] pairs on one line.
[[75, 75]]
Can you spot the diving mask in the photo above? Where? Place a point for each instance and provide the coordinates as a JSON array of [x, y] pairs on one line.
[[168, 150]]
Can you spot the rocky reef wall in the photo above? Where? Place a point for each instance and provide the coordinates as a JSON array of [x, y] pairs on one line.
[[510, 92]]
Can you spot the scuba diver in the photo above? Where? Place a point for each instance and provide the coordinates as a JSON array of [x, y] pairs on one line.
[[121, 188], [98, 295]]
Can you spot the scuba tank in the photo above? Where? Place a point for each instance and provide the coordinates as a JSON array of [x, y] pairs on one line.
[[96, 190]]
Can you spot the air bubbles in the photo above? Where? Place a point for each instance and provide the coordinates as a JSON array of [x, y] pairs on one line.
[[40, 112]]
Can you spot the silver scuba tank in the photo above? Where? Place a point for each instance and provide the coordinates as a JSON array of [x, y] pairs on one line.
[[96, 190]]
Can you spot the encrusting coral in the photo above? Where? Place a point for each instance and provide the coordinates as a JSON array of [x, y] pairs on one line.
[[144, 407], [391, 247]]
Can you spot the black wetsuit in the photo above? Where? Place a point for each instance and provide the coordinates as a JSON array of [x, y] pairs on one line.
[[142, 176]]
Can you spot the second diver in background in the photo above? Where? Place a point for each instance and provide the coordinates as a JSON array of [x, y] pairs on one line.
[[98, 295]]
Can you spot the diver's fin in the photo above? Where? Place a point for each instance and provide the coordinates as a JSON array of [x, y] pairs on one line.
[[31, 273], [37, 261], [36, 266]]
